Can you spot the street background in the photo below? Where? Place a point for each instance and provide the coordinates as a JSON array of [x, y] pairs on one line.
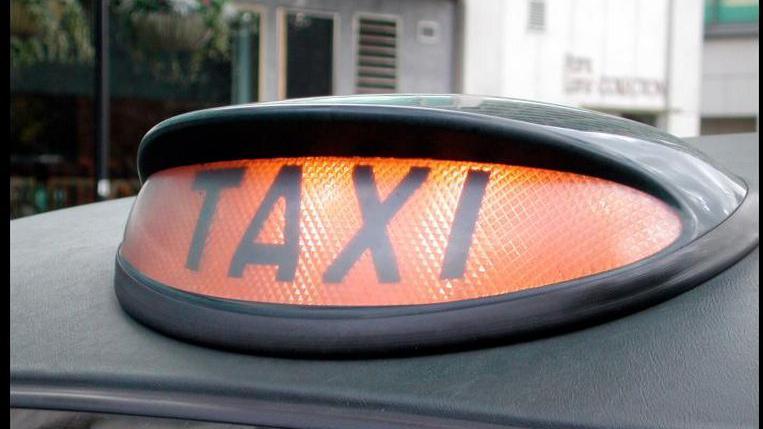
[[90, 77]]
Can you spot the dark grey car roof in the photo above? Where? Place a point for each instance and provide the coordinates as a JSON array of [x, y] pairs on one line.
[[692, 361]]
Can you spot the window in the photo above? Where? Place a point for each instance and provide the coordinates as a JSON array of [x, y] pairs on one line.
[[710, 126], [308, 47], [51, 102], [376, 60], [163, 59], [731, 11], [165, 63], [536, 15]]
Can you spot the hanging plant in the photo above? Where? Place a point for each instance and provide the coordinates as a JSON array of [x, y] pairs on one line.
[[26, 17], [180, 25], [49, 31], [175, 37], [164, 32]]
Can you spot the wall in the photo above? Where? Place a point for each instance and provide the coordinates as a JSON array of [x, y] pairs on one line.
[[422, 67], [619, 56], [730, 78]]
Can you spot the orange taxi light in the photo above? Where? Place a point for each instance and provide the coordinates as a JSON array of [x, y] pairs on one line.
[[326, 231]]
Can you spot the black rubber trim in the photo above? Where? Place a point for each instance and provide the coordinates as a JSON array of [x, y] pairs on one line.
[[224, 409], [355, 331]]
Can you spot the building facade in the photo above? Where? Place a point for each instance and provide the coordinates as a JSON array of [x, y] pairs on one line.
[[77, 118], [730, 69], [87, 82], [374, 46], [635, 58]]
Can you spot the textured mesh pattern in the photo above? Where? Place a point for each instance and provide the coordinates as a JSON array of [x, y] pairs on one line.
[[535, 227]]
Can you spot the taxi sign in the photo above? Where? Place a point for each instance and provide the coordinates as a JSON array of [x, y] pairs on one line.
[[369, 232], [389, 223]]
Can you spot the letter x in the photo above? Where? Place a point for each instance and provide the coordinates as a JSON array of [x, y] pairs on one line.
[[373, 234]]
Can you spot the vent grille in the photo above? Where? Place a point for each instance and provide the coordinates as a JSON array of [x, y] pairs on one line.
[[377, 56]]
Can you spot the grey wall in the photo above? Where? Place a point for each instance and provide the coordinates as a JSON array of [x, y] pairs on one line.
[[422, 67], [730, 77]]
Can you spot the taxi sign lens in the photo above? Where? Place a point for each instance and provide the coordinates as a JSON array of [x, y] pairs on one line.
[[378, 231]]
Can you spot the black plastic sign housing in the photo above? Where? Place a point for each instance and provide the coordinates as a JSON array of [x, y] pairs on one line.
[[716, 209]]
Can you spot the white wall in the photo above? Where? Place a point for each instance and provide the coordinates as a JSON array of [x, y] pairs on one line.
[[484, 30], [612, 55], [685, 69]]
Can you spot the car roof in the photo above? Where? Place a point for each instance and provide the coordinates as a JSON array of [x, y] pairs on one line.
[[691, 361]]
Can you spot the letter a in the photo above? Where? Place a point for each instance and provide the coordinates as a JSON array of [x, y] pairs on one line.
[[288, 184]]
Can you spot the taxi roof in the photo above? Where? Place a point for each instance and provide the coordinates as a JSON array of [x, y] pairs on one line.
[[691, 361]]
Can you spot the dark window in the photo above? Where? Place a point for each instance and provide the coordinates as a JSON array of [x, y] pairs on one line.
[[309, 55], [51, 103], [164, 65], [164, 59], [711, 126]]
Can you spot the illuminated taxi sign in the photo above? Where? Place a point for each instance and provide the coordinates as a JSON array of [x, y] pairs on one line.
[[371, 231], [385, 223]]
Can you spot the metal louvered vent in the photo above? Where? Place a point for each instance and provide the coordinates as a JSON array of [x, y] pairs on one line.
[[377, 56]]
